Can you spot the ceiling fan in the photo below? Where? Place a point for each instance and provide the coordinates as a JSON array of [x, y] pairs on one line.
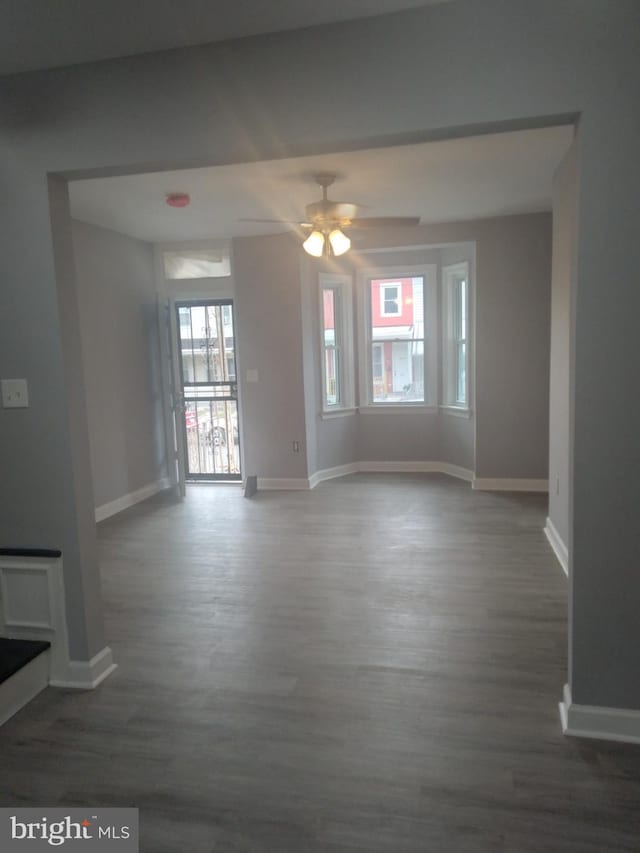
[[327, 220]]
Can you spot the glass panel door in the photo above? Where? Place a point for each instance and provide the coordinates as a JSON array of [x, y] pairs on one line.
[[206, 343]]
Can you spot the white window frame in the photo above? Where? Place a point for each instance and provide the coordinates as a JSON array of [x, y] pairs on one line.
[[451, 275], [341, 285], [429, 275], [398, 287]]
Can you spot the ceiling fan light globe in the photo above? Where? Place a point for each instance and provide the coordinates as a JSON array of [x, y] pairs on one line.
[[314, 244], [339, 241]]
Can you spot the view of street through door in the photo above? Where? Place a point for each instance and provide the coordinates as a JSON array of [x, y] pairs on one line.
[[207, 362]]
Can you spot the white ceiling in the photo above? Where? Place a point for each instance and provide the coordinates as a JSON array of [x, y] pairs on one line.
[[37, 34], [457, 179]]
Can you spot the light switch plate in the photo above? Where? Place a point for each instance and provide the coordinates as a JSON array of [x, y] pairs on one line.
[[252, 375], [15, 394]]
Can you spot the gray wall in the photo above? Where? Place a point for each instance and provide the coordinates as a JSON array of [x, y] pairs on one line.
[[338, 441], [233, 102], [269, 327], [513, 263], [456, 443], [121, 364], [565, 198]]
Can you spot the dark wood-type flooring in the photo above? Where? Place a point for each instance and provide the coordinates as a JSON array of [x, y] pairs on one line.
[[372, 666]]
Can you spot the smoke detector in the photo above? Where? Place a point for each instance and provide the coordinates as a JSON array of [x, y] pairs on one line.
[[178, 199]]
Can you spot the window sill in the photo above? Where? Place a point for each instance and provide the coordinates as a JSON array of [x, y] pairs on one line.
[[395, 409], [337, 413], [456, 411]]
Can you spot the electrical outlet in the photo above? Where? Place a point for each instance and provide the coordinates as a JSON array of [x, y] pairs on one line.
[[296, 447], [15, 394]]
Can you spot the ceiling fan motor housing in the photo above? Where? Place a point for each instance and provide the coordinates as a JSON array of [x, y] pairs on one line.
[[330, 212], [326, 216]]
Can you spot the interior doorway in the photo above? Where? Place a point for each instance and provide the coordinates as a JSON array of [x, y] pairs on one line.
[[208, 411]]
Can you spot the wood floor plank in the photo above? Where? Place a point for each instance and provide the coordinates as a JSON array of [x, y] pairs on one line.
[[371, 666]]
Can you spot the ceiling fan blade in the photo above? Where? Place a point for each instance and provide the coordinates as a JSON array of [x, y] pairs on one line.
[[384, 221], [278, 221]]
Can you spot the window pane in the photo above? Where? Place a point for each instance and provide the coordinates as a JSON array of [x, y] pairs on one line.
[[417, 375], [332, 364], [231, 367], [463, 309], [332, 376], [461, 386], [225, 323], [206, 343], [329, 315], [186, 344], [206, 338], [397, 336], [377, 368], [390, 295], [377, 372]]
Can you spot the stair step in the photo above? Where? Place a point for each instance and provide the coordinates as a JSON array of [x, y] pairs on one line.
[[15, 654]]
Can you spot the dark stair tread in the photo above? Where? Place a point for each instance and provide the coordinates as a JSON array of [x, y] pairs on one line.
[[30, 552], [14, 654]]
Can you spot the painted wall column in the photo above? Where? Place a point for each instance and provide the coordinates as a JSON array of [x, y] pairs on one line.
[[605, 580], [49, 439]]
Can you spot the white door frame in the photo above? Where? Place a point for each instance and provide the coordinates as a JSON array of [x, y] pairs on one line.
[[169, 292]]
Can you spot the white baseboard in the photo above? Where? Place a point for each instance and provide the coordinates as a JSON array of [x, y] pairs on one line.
[[559, 548], [23, 686], [593, 721], [332, 473], [405, 467], [402, 467], [133, 498], [283, 483], [510, 485], [85, 675], [455, 471]]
